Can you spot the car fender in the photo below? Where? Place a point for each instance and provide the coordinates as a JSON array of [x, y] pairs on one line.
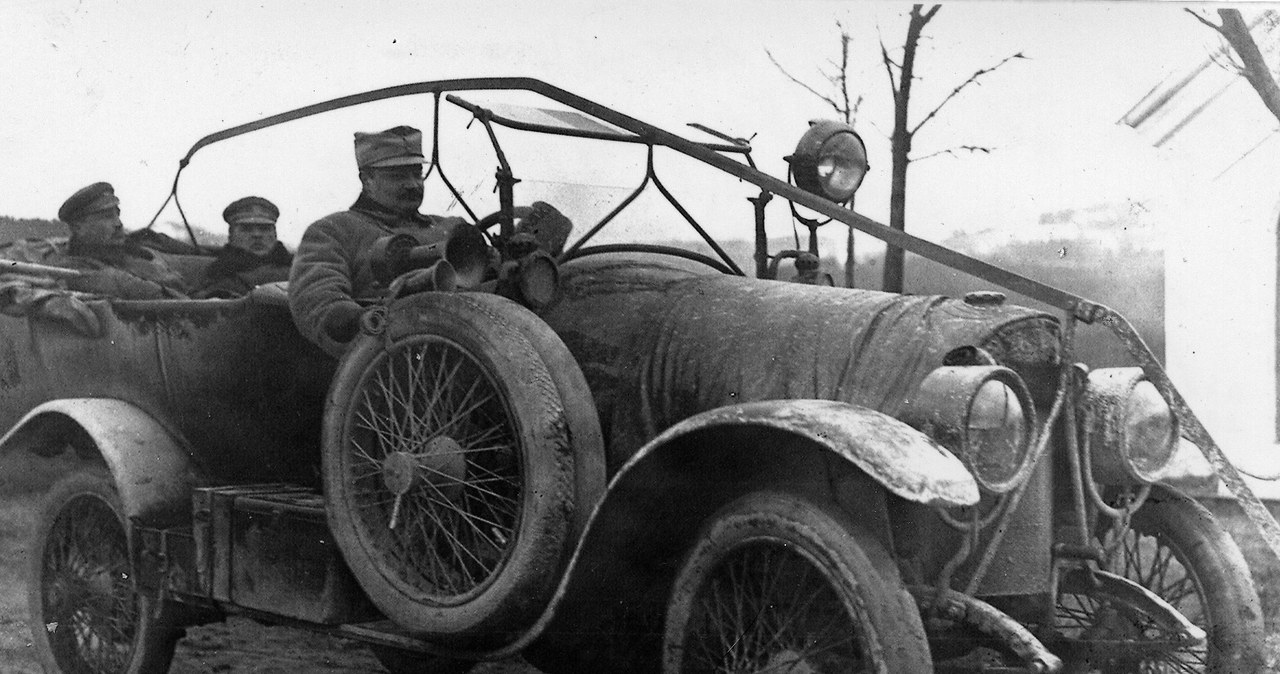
[[152, 468], [905, 461], [831, 452]]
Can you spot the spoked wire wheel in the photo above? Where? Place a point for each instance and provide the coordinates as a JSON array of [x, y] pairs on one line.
[[86, 615], [448, 470], [435, 468], [764, 609], [776, 585], [1177, 550]]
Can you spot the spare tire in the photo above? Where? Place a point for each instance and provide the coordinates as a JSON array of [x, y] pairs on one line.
[[450, 466]]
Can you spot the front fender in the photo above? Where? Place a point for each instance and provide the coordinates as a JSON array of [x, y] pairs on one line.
[[152, 469], [608, 610]]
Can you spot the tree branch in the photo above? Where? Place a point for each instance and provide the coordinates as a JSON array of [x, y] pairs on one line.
[[1203, 20], [953, 151], [888, 68], [827, 99], [1238, 35], [850, 113], [973, 79]]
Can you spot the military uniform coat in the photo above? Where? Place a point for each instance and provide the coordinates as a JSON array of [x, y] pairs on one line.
[[235, 271], [125, 271], [331, 267]]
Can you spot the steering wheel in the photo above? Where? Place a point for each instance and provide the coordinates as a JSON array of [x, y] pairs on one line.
[[518, 214], [548, 227]]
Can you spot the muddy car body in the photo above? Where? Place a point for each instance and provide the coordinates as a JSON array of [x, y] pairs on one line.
[[662, 465]]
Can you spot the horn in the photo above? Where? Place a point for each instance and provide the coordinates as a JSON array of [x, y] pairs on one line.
[[439, 276], [464, 247]]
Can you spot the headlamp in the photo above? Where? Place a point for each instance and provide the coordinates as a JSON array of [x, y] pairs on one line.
[[830, 160], [1132, 431], [983, 414]]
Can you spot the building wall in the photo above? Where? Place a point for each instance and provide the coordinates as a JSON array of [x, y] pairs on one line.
[[1221, 305]]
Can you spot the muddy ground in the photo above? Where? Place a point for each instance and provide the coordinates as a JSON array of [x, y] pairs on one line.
[[241, 646], [238, 646]]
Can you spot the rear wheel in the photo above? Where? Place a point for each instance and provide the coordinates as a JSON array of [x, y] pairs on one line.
[[449, 467], [86, 613], [778, 585], [1176, 549]]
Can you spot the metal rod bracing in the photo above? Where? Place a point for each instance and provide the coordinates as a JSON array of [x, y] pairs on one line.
[[648, 173], [436, 166], [656, 136]]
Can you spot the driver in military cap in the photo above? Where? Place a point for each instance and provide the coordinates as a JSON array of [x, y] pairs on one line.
[[331, 269], [111, 264], [253, 255]]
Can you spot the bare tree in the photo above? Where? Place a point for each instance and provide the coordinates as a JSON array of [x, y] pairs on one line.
[[1252, 66], [901, 76], [837, 79]]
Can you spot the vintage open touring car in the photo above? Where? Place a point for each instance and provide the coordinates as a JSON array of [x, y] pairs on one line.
[[622, 456]]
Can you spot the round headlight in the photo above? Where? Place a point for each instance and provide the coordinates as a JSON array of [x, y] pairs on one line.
[[830, 160], [996, 429], [1132, 431], [983, 414]]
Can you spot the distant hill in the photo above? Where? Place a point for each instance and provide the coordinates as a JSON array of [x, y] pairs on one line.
[[12, 229], [1128, 277]]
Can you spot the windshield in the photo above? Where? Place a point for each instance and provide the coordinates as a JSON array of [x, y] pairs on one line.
[[597, 171]]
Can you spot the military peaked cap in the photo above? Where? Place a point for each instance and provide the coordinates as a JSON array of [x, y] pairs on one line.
[[399, 146], [88, 200], [251, 211]]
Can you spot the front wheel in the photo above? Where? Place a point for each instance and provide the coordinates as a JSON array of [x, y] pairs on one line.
[[86, 614], [1176, 549], [777, 584], [450, 465]]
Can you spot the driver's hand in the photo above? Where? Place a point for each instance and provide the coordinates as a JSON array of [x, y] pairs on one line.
[[343, 322]]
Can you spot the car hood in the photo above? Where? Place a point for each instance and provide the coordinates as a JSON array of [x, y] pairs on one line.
[[659, 343]]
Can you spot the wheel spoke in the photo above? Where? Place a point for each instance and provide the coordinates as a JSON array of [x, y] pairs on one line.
[[1126, 638], [457, 521], [88, 597], [766, 609]]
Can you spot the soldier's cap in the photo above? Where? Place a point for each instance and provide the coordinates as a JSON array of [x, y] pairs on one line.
[[251, 211], [87, 201], [398, 146]]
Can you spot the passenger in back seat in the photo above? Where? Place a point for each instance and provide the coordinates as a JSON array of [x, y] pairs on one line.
[[109, 263], [253, 255]]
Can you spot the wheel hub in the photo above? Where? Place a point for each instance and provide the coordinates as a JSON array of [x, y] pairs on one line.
[[441, 463], [399, 472]]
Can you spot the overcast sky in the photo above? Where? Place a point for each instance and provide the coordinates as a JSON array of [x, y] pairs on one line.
[[113, 90]]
